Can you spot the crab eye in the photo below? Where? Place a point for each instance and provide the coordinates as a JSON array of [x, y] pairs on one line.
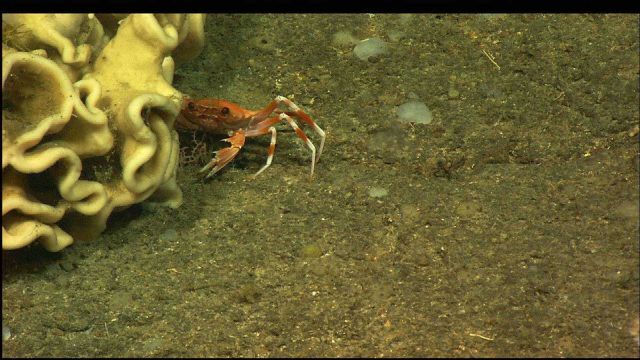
[[191, 106], [224, 110]]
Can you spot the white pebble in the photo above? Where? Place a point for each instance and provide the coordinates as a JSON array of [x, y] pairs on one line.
[[6, 333], [370, 47], [377, 192], [414, 111]]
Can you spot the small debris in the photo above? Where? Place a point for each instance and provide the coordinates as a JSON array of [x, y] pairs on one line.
[[482, 337]]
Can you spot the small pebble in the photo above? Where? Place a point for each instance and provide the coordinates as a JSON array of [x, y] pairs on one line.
[[152, 344], [67, 265], [344, 38], [627, 209], [368, 48], [410, 213], [169, 235], [469, 209], [6, 333], [405, 19], [378, 192], [249, 293], [396, 35], [414, 111], [311, 251]]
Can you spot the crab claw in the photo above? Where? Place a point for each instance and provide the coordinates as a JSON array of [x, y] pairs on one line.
[[226, 155]]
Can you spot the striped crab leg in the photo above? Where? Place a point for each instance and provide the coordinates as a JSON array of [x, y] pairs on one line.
[[298, 113]]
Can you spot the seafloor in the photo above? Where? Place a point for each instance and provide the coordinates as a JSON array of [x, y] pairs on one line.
[[509, 225]]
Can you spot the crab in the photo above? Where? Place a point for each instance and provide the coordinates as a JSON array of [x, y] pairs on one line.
[[217, 116]]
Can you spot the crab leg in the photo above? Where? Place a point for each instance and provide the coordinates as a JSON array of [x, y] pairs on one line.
[[261, 128], [303, 137], [270, 152], [297, 112]]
